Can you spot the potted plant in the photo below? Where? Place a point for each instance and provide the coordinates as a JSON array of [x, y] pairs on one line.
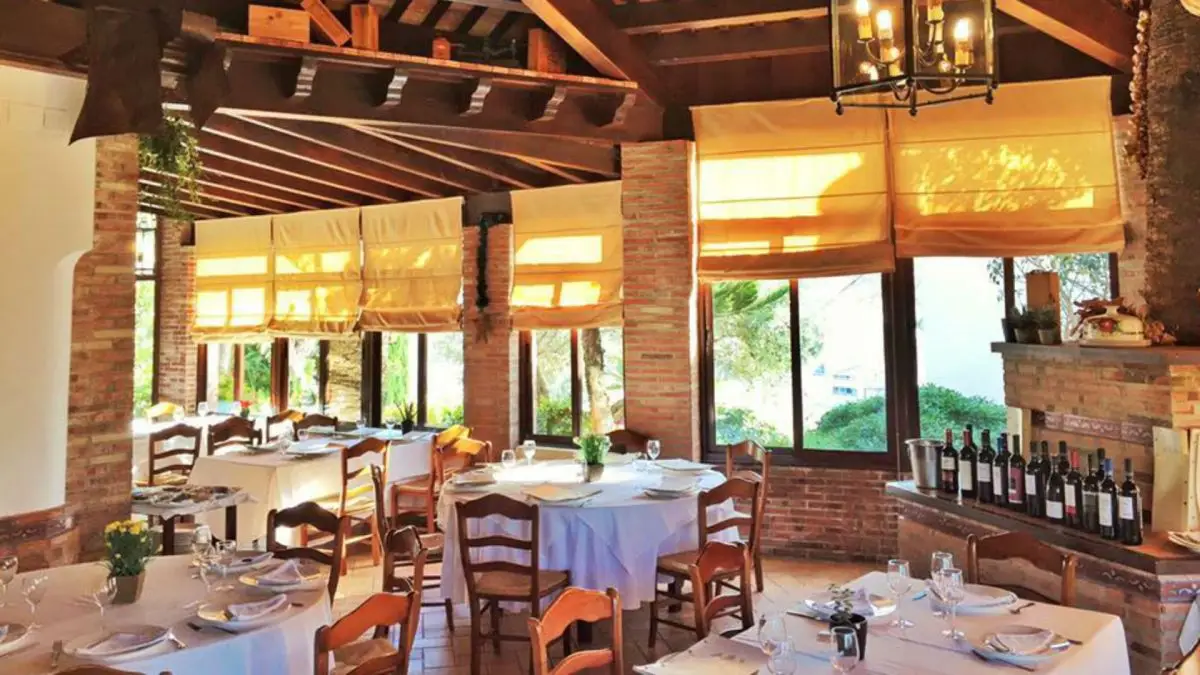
[[1024, 327], [1008, 323], [592, 450], [128, 549], [843, 615], [1046, 320], [244, 409], [408, 417]]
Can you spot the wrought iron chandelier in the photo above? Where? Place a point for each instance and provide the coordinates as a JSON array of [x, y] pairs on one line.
[[895, 53]]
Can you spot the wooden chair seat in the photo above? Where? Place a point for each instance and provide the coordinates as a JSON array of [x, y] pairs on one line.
[[677, 564], [358, 500], [513, 586], [435, 542], [353, 655]]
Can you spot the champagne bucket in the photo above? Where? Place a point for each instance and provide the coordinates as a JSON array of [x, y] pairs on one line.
[[923, 456]]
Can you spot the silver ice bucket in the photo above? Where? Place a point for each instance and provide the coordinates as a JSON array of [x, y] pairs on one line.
[[923, 456]]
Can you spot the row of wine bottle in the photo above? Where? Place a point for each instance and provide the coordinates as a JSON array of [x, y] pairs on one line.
[[1054, 489]]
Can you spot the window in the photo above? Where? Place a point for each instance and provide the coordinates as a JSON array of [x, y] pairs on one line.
[[238, 372], [444, 400], [426, 370], [145, 320], [256, 385], [1081, 276], [399, 373], [572, 382], [304, 374]]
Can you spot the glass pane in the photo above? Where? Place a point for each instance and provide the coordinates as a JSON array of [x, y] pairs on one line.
[[444, 395], [552, 382], [752, 362], [843, 375], [958, 317], [1081, 276], [256, 387], [602, 363], [220, 377], [145, 253], [399, 373], [304, 363], [143, 347]]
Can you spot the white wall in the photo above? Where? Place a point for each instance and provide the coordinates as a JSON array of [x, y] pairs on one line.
[[47, 194]]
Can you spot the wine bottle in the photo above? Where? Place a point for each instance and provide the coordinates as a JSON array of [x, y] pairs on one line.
[[1073, 497], [984, 463], [1064, 458], [966, 466], [1129, 509], [1108, 503], [1000, 472], [1099, 465], [1045, 465], [1016, 476], [1091, 498], [1034, 491], [949, 466], [1055, 496]]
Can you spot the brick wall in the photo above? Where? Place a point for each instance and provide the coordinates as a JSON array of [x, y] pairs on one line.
[[490, 367], [661, 374], [101, 391], [830, 514], [344, 390], [176, 312]]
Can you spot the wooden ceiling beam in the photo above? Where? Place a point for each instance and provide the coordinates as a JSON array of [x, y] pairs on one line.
[[224, 167], [1099, 29], [661, 17], [506, 5], [740, 42], [212, 192], [593, 157], [154, 193], [278, 198], [589, 31], [37, 31]]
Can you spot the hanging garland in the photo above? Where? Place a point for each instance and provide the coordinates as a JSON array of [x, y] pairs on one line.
[[1137, 148], [483, 318], [174, 156]]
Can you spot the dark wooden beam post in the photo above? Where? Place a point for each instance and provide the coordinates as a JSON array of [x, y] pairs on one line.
[[1099, 29]]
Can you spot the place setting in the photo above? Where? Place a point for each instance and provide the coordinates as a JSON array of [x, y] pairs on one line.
[[561, 495], [672, 487]]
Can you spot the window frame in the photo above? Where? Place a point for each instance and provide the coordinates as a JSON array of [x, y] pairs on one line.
[[279, 372], [527, 400], [154, 277], [373, 379]]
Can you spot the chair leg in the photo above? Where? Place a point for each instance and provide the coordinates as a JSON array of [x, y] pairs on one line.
[[449, 616], [674, 587], [758, 571], [476, 638], [303, 536], [653, 620], [376, 542], [430, 518], [494, 610]]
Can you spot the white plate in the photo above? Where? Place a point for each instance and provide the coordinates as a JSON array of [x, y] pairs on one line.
[[313, 578], [216, 615], [15, 638], [249, 559], [683, 466], [1002, 601], [151, 636], [314, 447], [984, 646], [655, 493], [822, 604]]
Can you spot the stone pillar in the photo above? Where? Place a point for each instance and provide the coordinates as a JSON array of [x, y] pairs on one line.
[[1173, 171], [1131, 261], [344, 390], [99, 446], [176, 312], [662, 397]]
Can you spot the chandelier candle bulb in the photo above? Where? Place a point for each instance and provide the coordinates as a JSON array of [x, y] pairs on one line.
[[934, 12], [863, 9], [964, 52], [883, 21]]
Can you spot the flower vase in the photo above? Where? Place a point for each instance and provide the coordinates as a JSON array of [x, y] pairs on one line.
[[406, 426], [593, 472], [129, 589]]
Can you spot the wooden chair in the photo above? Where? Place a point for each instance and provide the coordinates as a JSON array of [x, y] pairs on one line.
[[314, 420], [292, 416], [719, 561], [377, 656], [305, 516], [577, 604], [355, 500], [627, 441], [232, 431], [1189, 664], [678, 566], [755, 453], [101, 670], [176, 472], [420, 493], [1023, 546], [497, 581]]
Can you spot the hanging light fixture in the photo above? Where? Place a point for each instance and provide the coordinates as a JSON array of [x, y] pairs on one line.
[[912, 53]]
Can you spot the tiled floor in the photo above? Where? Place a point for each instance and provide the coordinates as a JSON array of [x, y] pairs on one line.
[[438, 652]]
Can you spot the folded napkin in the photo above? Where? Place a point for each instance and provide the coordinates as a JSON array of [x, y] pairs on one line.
[[559, 493], [286, 573], [676, 464], [117, 643], [249, 611], [676, 484], [1024, 644], [973, 598], [276, 444], [321, 430]]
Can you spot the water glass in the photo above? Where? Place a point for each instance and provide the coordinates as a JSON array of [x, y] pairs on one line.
[[899, 579], [205, 569], [202, 408], [783, 661], [653, 447], [34, 588], [508, 459], [844, 656], [940, 560], [178, 414], [102, 596], [302, 434], [226, 553], [8, 572], [949, 585], [360, 424], [772, 634], [529, 449]]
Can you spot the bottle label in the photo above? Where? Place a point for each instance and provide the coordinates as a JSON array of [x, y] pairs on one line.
[[1106, 519], [997, 488], [1015, 494], [1125, 504], [947, 464], [1070, 499], [1031, 484], [985, 473], [965, 479], [1054, 510]]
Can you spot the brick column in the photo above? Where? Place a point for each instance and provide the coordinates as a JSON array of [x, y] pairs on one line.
[[344, 390], [661, 376], [176, 311], [99, 450]]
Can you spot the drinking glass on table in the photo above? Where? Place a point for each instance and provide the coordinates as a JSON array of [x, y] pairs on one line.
[[529, 449], [202, 408], [8, 572], [772, 634], [201, 544], [508, 459], [899, 579], [653, 447], [940, 560], [783, 661], [204, 569], [949, 585], [360, 425], [34, 587], [102, 596], [845, 648], [226, 552], [178, 414]]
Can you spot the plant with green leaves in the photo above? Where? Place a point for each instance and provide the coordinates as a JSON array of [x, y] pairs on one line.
[[128, 548], [842, 599], [408, 412], [593, 448], [1045, 318], [173, 155]]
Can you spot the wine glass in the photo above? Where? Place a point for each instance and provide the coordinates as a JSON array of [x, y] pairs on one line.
[[653, 447], [205, 569], [201, 543], [202, 408], [34, 589], [529, 449], [360, 424], [226, 552], [949, 585], [8, 572], [102, 596], [508, 459], [940, 560], [845, 653], [782, 662], [178, 414], [899, 579], [772, 634]]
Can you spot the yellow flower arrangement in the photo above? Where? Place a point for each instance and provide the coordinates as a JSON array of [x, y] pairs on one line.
[[128, 546]]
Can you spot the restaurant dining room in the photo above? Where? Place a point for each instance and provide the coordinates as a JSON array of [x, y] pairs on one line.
[[667, 337]]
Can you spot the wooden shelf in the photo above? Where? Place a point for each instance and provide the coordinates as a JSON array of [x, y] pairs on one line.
[[1070, 352]]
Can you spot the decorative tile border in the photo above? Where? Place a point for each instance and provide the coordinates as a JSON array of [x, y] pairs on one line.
[[23, 528], [1129, 432]]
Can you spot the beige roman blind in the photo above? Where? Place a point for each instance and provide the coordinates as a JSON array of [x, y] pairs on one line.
[[1034, 173], [791, 189], [234, 289], [413, 266], [318, 276], [568, 251]]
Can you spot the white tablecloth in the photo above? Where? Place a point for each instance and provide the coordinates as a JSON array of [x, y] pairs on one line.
[[924, 651], [278, 481], [281, 648], [612, 541]]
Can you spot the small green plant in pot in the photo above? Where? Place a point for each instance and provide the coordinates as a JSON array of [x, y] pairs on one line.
[[843, 615], [592, 450], [408, 417], [1046, 322], [1024, 326], [127, 548]]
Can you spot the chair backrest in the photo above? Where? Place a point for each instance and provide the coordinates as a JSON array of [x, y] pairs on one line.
[[507, 507], [380, 611], [1024, 546], [231, 431], [403, 547], [627, 441], [460, 454], [309, 514], [360, 451], [101, 670], [720, 560], [751, 449], [378, 481], [289, 417], [578, 604], [738, 487], [192, 451], [448, 435], [315, 420]]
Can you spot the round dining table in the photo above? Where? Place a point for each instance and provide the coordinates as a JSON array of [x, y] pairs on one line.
[[611, 540], [169, 599]]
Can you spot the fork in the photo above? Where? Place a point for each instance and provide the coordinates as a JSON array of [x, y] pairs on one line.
[[1017, 610], [179, 644]]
